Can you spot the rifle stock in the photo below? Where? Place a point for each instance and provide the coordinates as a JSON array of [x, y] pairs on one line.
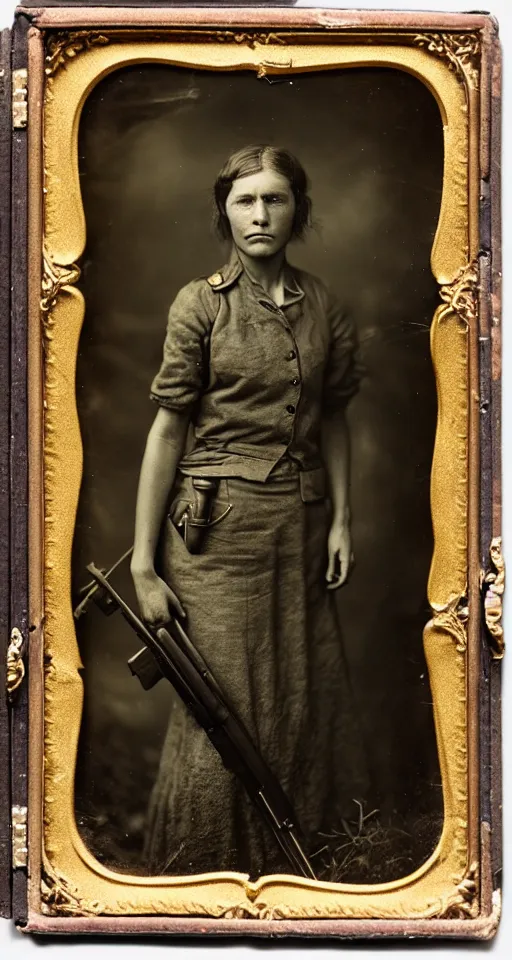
[[168, 652]]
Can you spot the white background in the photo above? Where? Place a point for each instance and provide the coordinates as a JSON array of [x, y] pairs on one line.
[[19, 947]]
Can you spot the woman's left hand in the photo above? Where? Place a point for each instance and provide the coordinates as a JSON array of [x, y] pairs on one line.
[[340, 555]]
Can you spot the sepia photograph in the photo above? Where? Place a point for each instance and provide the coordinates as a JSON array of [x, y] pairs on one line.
[[253, 675], [257, 406]]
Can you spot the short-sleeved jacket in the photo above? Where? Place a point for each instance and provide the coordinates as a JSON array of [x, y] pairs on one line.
[[255, 378]]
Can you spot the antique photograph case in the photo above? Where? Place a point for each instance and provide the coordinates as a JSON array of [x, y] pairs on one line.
[[255, 632]]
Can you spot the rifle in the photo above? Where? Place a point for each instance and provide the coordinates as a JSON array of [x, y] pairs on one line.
[[168, 652]]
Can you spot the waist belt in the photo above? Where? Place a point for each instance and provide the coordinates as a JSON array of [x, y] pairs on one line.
[[313, 484]]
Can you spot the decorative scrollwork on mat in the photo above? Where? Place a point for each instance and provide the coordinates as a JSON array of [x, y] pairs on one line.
[[59, 896], [465, 905], [54, 278], [61, 47], [461, 51], [454, 618], [249, 38], [461, 295]]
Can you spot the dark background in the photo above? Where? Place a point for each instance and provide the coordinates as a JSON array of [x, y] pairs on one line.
[[152, 140]]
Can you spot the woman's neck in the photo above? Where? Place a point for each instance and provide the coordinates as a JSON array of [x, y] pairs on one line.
[[267, 271]]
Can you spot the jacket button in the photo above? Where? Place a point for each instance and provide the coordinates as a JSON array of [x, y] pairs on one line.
[[295, 382], [291, 355], [290, 408]]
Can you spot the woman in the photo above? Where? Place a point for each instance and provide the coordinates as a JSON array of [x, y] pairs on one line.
[[259, 363]]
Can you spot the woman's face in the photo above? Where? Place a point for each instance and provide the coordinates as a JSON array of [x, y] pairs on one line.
[[260, 209]]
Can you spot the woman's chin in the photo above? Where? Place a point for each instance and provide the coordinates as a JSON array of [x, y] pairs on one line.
[[260, 250]]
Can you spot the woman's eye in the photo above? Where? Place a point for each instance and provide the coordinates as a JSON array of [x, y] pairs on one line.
[[244, 201]]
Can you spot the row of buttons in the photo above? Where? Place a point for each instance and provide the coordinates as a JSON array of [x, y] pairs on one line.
[[294, 383], [291, 355]]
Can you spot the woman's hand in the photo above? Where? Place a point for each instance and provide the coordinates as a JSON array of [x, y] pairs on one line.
[[164, 449], [157, 602], [340, 555]]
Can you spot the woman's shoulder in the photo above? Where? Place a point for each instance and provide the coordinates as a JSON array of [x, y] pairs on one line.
[[334, 307], [193, 309], [196, 288], [313, 285], [196, 295]]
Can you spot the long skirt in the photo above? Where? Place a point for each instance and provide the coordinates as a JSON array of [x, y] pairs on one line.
[[259, 612]]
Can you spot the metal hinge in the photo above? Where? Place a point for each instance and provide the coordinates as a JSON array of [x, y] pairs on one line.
[[19, 837], [15, 665], [493, 587], [19, 98]]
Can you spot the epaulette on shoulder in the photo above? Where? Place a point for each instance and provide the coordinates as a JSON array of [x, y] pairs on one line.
[[215, 280], [225, 277]]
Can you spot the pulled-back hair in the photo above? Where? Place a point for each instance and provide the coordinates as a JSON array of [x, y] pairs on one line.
[[251, 160]]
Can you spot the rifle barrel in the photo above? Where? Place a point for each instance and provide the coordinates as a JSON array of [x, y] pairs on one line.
[[182, 664]]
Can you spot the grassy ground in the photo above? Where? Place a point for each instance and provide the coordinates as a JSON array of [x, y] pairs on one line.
[[366, 849], [369, 849]]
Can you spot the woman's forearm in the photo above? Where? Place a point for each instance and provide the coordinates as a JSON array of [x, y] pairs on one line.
[[336, 454], [164, 449]]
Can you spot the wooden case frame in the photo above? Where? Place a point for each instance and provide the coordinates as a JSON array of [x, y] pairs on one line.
[[67, 50]]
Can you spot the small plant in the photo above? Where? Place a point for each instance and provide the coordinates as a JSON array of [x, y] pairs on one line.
[[369, 850]]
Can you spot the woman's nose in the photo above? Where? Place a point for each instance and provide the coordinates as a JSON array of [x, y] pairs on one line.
[[260, 214]]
